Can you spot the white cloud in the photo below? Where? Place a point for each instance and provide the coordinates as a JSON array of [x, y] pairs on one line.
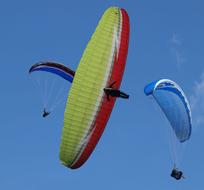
[[175, 40], [176, 50], [197, 102]]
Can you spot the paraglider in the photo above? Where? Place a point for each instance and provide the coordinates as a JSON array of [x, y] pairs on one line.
[[88, 108], [176, 108], [56, 69], [95, 87]]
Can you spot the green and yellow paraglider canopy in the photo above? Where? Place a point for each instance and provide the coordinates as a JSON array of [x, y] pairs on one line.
[[88, 110]]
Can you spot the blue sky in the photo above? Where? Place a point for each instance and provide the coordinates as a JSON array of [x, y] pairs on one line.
[[166, 42]]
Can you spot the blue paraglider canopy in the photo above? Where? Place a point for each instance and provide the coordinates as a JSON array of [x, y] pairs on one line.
[[52, 80], [174, 104], [54, 68]]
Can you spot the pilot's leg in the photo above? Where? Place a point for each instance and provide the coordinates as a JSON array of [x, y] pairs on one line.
[[124, 95]]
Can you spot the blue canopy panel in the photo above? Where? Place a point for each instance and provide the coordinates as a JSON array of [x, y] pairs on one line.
[[56, 71], [54, 68], [174, 104]]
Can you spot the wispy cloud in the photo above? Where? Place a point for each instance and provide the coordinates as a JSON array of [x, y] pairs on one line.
[[197, 102], [176, 46], [175, 40]]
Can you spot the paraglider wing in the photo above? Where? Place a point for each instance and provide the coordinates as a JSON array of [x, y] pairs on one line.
[[174, 104], [88, 109], [55, 68]]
